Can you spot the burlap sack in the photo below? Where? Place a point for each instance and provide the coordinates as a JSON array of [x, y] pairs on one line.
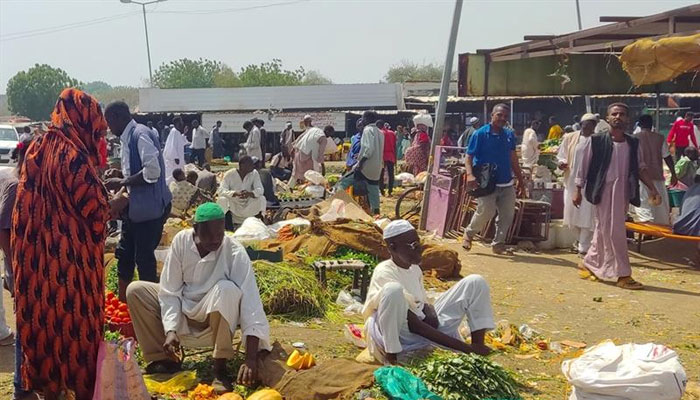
[[442, 260]]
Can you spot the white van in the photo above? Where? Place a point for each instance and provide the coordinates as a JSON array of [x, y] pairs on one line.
[[8, 141]]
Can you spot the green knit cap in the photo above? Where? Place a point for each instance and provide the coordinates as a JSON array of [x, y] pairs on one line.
[[208, 212]]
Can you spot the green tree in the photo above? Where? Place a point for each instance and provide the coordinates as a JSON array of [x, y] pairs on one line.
[[33, 93], [315, 78], [186, 73], [270, 74], [408, 71], [96, 87], [225, 78]]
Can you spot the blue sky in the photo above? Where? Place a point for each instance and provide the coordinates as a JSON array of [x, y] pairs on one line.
[[348, 41]]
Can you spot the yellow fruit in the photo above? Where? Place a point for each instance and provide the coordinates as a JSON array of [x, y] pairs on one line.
[[295, 360], [265, 394], [230, 396]]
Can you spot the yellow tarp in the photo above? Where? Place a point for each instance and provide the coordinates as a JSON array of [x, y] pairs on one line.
[[648, 62]]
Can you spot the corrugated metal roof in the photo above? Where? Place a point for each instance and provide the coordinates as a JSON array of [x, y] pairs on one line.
[[456, 99], [281, 98]]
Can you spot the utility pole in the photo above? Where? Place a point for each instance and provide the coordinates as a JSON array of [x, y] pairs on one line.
[[441, 107], [145, 26], [578, 15]]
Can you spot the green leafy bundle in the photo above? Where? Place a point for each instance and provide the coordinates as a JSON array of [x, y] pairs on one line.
[[466, 377]]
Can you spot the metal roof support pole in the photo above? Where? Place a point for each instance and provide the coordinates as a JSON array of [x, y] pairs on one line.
[[442, 106]]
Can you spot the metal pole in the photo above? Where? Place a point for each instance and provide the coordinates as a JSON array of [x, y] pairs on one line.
[[442, 106], [148, 47], [578, 14]]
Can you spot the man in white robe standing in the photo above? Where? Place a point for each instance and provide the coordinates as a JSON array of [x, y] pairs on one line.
[[207, 289], [529, 149], [580, 219], [252, 144], [174, 151], [398, 317], [241, 193]]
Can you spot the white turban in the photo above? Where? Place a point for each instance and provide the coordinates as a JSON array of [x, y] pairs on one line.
[[396, 228], [424, 119]]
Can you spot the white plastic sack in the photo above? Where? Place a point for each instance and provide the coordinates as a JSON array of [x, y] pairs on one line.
[[275, 228], [335, 211], [406, 178], [315, 191], [331, 147], [351, 305], [421, 178], [252, 229], [314, 177], [626, 372]]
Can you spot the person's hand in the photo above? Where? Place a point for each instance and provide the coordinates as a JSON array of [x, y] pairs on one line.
[[177, 161], [674, 180], [520, 188], [430, 316], [117, 205], [248, 373], [576, 198], [563, 166], [245, 194], [172, 344], [114, 184], [471, 182]]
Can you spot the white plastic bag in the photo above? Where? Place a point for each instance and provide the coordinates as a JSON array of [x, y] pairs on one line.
[[351, 305], [406, 178], [315, 191], [335, 211], [314, 177], [275, 228], [252, 229], [626, 372]]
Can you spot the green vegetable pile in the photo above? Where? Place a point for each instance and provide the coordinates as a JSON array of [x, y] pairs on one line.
[[291, 291], [466, 377]]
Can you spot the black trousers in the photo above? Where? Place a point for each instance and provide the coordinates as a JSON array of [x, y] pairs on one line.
[[136, 248], [281, 173], [388, 168], [679, 152], [198, 156]]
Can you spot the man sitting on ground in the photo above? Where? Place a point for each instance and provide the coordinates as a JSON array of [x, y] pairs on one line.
[[241, 193], [185, 194], [207, 287], [206, 180], [397, 315], [280, 166]]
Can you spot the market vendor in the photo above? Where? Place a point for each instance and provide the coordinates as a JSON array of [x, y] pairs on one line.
[[398, 317], [207, 289], [241, 193]]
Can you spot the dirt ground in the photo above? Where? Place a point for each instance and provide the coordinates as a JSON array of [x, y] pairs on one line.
[[544, 291]]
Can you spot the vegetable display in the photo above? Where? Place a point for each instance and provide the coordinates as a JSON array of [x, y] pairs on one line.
[[116, 312], [466, 377]]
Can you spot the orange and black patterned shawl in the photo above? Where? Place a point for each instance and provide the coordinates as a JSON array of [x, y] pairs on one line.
[[58, 234]]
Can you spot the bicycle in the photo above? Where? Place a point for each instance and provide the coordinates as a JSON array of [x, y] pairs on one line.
[[409, 203]]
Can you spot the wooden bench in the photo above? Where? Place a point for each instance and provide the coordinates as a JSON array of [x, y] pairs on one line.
[[655, 230], [360, 271]]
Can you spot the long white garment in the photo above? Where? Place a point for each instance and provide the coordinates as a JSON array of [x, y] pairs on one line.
[[252, 143], [193, 287], [581, 217], [174, 150], [388, 330], [529, 149], [411, 280], [649, 213], [240, 208]]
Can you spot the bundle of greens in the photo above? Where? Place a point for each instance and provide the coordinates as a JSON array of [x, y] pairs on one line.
[[291, 291], [466, 377]]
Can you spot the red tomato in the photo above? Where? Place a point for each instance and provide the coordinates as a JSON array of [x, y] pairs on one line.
[[115, 302], [123, 307], [110, 295], [116, 320], [123, 314]]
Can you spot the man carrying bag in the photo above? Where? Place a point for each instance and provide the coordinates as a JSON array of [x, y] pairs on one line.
[[491, 162]]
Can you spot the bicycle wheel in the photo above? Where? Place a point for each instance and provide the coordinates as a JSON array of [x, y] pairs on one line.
[[409, 203]]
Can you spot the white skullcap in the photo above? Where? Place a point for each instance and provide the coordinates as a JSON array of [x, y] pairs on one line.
[[589, 117], [473, 120], [307, 116], [397, 227]]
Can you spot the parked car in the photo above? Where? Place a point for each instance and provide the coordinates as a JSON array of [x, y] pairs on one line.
[[8, 141]]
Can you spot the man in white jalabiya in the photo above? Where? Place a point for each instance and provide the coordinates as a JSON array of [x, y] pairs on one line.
[[252, 142], [398, 317], [580, 219], [309, 150], [207, 290], [529, 149], [174, 151], [241, 193]]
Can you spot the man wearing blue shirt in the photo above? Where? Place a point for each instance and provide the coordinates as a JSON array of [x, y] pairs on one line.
[[494, 144], [354, 146]]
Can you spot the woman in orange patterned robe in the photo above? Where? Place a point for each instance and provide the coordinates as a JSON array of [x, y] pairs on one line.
[[58, 237]]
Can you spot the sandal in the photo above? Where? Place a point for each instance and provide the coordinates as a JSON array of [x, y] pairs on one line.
[[629, 284], [163, 367], [467, 243], [585, 273]]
